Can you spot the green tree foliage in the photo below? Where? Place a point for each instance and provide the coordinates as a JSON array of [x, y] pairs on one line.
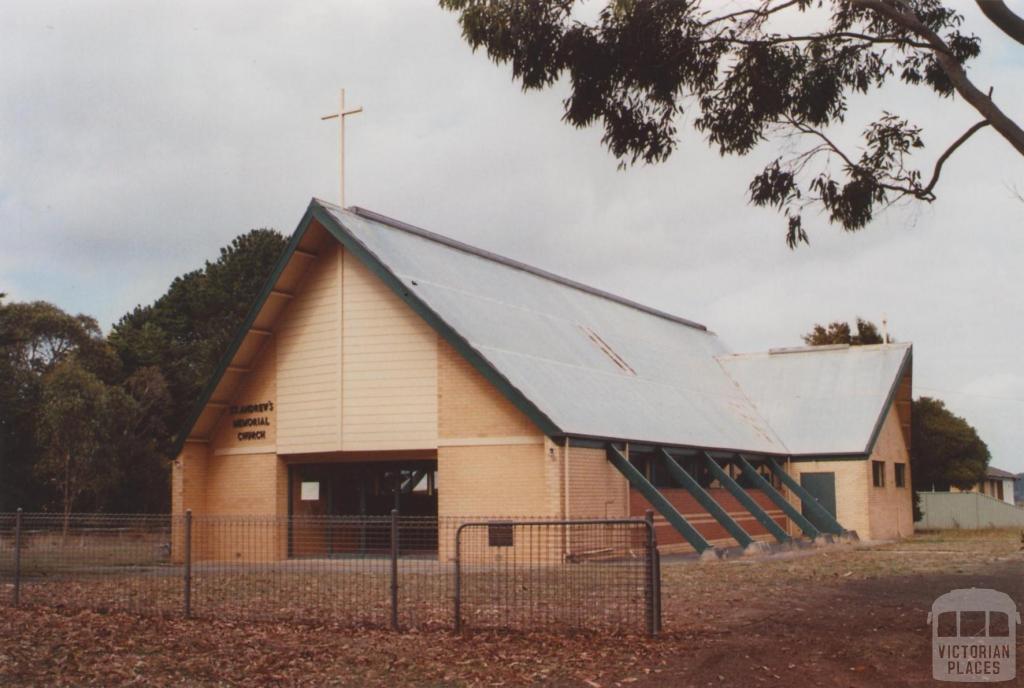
[[946, 449], [35, 338], [838, 332], [76, 414], [186, 331], [139, 444], [87, 422], [780, 69]]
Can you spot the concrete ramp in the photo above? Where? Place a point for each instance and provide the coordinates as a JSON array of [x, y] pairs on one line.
[[967, 510]]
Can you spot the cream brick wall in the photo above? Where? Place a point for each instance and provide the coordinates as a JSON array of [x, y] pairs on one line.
[[251, 486], [876, 513], [596, 488], [188, 490], [470, 406], [188, 479], [890, 507], [853, 478], [499, 481], [492, 460], [247, 484]]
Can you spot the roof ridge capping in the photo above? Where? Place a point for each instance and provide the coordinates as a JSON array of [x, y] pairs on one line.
[[508, 262], [783, 350], [804, 349]]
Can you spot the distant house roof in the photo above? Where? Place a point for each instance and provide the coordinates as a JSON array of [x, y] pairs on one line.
[[993, 472], [588, 364]]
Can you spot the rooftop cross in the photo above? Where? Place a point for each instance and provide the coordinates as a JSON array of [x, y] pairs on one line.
[[340, 115]]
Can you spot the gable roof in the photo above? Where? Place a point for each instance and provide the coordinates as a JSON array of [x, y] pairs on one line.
[[578, 361], [827, 400], [993, 472]]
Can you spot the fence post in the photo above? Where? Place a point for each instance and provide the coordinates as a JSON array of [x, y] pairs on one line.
[[17, 557], [657, 579], [188, 563], [394, 569], [653, 574], [458, 582]]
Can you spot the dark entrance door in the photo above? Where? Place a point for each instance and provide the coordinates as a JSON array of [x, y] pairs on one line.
[[351, 504], [823, 487]]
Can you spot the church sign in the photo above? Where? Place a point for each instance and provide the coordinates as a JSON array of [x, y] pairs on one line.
[[250, 420]]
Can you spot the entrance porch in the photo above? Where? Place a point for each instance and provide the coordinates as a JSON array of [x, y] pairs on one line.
[[337, 504]]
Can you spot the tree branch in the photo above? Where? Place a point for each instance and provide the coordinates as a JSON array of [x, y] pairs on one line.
[[828, 142], [763, 12], [776, 40], [902, 15], [949, 151], [1003, 17]]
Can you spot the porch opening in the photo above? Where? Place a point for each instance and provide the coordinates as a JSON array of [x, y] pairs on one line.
[[343, 508]]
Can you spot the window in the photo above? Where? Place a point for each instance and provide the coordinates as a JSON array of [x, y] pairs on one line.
[[945, 627], [878, 473], [998, 625], [901, 475], [972, 624]]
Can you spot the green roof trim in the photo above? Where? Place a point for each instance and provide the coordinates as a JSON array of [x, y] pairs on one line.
[[908, 360]]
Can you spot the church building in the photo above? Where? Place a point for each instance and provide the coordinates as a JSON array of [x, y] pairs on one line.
[[384, 366]]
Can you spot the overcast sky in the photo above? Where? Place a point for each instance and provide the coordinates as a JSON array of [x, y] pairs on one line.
[[136, 138]]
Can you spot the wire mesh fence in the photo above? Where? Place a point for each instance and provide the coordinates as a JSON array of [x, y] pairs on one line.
[[569, 574], [392, 571]]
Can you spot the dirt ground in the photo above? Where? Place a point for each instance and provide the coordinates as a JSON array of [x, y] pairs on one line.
[[836, 616]]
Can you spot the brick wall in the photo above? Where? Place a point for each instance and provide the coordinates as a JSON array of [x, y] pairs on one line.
[[596, 488], [891, 508], [853, 478], [492, 461], [876, 513], [188, 489]]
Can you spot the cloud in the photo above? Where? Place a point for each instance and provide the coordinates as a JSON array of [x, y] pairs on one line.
[[137, 138]]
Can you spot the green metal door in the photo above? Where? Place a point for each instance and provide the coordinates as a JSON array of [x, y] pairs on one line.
[[823, 487]]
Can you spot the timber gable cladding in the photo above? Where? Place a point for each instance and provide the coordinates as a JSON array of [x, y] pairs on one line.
[[346, 367]]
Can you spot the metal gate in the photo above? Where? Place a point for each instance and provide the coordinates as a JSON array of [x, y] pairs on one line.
[[563, 574]]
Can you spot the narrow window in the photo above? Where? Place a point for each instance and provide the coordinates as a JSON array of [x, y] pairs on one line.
[[946, 625], [878, 473], [998, 625], [901, 475]]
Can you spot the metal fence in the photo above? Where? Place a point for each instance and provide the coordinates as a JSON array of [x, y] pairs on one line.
[[399, 571]]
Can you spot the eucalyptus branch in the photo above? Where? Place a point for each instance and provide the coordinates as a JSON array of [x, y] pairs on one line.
[[779, 40], [1003, 17], [760, 13], [949, 151], [901, 14]]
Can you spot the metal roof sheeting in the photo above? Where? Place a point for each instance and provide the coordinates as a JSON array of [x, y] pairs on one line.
[[821, 400], [601, 366], [533, 330]]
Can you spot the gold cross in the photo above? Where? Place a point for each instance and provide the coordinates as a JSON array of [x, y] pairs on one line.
[[341, 114]]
